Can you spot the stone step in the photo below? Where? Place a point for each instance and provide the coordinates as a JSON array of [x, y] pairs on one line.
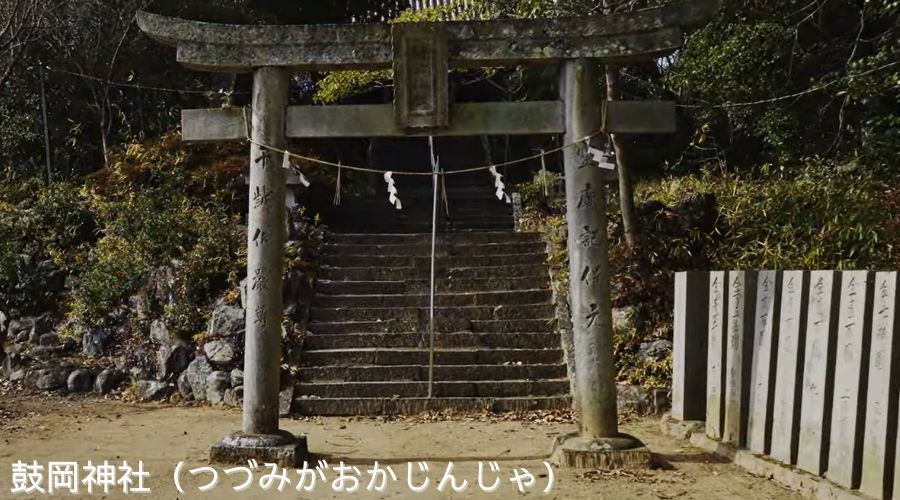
[[423, 262], [356, 357], [478, 208], [519, 297], [413, 210], [443, 325], [368, 273], [462, 237], [330, 287], [385, 224], [414, 406], [441, 250], [454, 389], [533, 311], [482, 198], [541, 340], [366, 373], [485, 196], [417, 210], [366, 352]]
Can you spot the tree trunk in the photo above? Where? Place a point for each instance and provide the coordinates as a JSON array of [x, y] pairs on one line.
[[626, 190], [101, 123]]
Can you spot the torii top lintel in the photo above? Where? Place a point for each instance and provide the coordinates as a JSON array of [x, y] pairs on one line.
[[623, 37]]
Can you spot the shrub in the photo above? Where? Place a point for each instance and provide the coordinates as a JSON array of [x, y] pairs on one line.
[[149, 217], [44, 233], [821, 218]]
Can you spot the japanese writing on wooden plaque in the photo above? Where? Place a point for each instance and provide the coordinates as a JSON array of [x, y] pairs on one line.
[[421, 97]]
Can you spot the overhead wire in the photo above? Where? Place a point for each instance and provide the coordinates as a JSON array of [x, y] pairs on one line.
[[139, 86]]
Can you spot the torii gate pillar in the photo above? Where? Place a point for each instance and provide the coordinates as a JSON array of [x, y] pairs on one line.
[[598, 445], [260, 437]]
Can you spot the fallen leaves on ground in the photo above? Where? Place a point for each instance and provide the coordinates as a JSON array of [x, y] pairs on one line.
[[540, 417], [637, 476]]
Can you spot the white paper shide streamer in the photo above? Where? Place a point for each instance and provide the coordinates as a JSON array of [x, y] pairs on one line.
[[604, 159], [392, 190], [501, 187], [288, 165]]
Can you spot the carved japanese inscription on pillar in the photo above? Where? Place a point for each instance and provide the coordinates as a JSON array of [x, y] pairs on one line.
[[421, 97]]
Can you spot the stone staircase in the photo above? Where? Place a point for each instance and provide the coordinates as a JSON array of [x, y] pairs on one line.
[[470, 208], [498, 346]]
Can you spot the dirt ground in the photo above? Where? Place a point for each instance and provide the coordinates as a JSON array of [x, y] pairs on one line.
[[53, 428]]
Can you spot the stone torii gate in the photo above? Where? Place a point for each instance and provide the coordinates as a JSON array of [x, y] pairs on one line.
[[421, 55]]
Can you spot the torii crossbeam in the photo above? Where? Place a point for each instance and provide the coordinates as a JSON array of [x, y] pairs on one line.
[[421, 55]]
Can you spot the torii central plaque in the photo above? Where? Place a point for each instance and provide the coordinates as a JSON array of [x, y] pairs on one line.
[[421, 55]]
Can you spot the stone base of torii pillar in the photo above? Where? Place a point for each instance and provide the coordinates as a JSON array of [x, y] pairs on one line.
[[622, 452], [598, 444], [282, 448]]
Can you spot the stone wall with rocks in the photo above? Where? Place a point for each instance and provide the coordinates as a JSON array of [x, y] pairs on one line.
[[143, 357]]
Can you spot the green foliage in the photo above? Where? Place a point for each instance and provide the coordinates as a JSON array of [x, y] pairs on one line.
[[819, 218], [44, 233], [817, 75], [634, 369], [343, 84], [20, 116], [307, 239], [212, 263], [115, 268], [146, 226], [544, 214], [339, 85], [822, 217]]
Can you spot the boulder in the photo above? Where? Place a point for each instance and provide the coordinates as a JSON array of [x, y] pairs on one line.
[[242, 288], [216, 385], [29, 328], [237, 377], [196, 374], [634, 399], [107, 380], [8, 365], [294, 354], [655, 351], [139, 305], [160, 332], [69, 344], [161, 285], [641, 400], [226, 321], [285, 400], [80, 380], [184, 387], [134, 362], [173, 359], [219, 352], [234, 397], [151, 390], [17, 375], [3, 334], [698, 211], [94, 342], [625, 318], [49, 379], [47, 353], [48, 339]]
